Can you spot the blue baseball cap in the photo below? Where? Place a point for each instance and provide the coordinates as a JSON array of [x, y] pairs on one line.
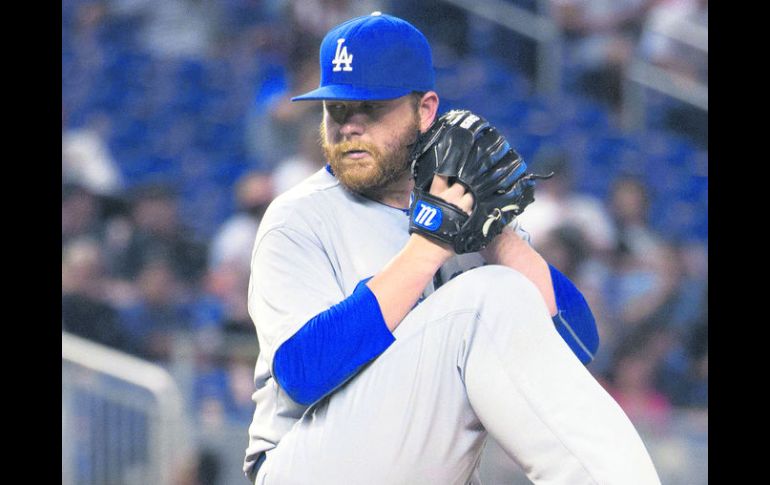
[[373, 57]]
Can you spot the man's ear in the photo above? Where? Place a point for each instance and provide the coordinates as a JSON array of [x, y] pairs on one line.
[[428, 109]]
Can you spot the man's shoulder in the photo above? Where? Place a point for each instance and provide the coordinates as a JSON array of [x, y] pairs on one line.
[[320, 181], [310, 192], [314, 196]]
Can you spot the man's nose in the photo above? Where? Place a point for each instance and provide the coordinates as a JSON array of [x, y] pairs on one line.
[[353, 125]]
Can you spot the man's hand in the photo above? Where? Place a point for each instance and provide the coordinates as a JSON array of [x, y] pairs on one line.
[[463, 148]]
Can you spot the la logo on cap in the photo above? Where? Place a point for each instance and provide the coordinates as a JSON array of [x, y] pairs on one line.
[[342, 57], [396, 60]]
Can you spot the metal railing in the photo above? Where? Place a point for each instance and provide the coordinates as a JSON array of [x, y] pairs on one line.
[[640, 76], [539, 28], [122, 418], [643, 75]]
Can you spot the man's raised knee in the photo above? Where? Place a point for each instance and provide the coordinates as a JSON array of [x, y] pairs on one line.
[[496, 282]]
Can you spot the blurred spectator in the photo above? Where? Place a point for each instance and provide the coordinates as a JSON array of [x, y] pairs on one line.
[[221, 305], [202, 467], [687, 310], [234, 239], [308, 159], [159, 311], [240, 371], [629, 203], [209, 468], [211, 392], [158, 234], [683, 374], [558, 204], [656, 294], [85, 213], [273, 120], [223, 388], [172, 28], [80, 213], [645, 290], [313, 18], [698, 347], [86, 20], [600, 38], [642, 279], [223, 382], [675, 36], [221, 308], [566, 248], [86, 158], [632, 381], [86, 308]]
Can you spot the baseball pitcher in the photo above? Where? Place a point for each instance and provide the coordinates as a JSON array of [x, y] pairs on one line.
[[402, 314]]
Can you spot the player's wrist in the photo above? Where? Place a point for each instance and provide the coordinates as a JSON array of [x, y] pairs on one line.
[[431, 251]]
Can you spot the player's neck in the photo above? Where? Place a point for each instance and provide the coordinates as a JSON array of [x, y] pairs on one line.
[[397, 194]]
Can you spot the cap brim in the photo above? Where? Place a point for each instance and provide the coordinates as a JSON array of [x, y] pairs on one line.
[[348, 92]]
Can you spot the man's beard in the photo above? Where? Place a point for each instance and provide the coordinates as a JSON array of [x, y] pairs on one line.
[[370, 177]]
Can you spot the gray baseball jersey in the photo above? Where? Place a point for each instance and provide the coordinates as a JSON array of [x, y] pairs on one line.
[[479, 354]]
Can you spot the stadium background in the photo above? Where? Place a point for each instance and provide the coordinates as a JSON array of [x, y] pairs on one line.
[[177, 131]]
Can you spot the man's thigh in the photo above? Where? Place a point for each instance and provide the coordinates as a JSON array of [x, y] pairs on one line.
[[405, 418]]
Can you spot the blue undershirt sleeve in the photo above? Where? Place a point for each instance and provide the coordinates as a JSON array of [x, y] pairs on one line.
[[574, 321], [332, 347]]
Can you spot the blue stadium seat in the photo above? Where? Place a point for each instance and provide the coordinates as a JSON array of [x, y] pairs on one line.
[[190, 72], [513, 112], [584, 113]]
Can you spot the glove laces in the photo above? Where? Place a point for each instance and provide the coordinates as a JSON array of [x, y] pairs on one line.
[[496, 215], [497, 212]]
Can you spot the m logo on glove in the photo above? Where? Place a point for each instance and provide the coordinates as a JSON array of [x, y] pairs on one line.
[[428, 216]]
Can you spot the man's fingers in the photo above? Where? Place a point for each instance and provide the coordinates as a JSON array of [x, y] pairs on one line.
[[439, 184], [466, 203], [455, 191], [455, 194]]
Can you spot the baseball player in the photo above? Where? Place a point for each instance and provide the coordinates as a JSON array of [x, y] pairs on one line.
[[401, 313]]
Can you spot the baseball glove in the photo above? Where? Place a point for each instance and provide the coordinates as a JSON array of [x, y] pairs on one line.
[[465, 148]]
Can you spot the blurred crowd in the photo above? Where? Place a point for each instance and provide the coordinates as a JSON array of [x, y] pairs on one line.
[[177, 132]]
